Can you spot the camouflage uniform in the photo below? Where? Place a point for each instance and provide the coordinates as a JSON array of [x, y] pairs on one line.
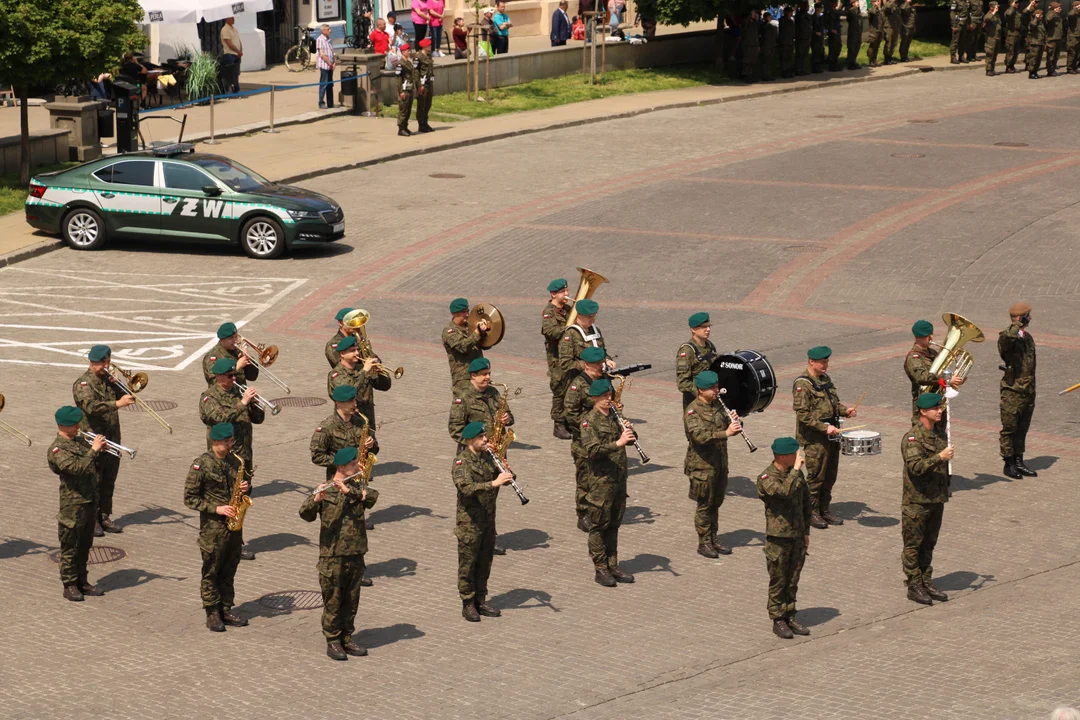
[[803, 32], [892, 27], [690, 359], [816, 406], [787, 46], [1054, 26], [1014, 29], [876, 21], [462, 347], [332, 355], [472, 405], [769, 38], [572, 343], [605, 476], [475, 530], [552, 326], [854, 37], [817, 42], [335, 434], [75, 462], [926, 482], [992, 28], [787, 523], [1017, 349], [1036, 41], [342, 544], [407, 80], [749, 40], [1072, 59], [209, 484], [833, 26], [251, 373], [907, 28], [97, 397], [577, 403], [221, 406], [365, 384], [917, 366], [706, 464], [425, 78]]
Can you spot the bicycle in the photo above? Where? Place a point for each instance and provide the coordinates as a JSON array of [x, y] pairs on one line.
[[299, 56]]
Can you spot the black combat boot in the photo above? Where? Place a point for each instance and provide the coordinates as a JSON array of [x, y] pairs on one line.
[[403, 132], [817, 521], [486, 610], [720, 548], [620, 576], [707, 550], [334, 651], [560, 431], [468, 611], [781, 630], [350, 647], [795, 626], [1010, 468], [934, 593], [246, 554], [72, 593], [87, 589], [213, 620], [366, 582], [109, 526], [829, 518], [231, 620], [605, 578], [498, 550], [916, 592], [1024, 469], [1033, 76], [98, 532]]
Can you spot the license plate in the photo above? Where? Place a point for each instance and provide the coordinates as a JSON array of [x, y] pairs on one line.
[[339, 227]]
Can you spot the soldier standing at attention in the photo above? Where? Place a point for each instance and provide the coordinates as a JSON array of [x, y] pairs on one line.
[[917, 365], [603, 447], [892, 29], [425, 85], [99, 399], [226, 348], [992, 27], [974, 28], [208, 489], [768, 47], [1054, 28], [907, 28], [1036, 40], [707, 429], [1073, 24], [407, 80], [331, 347], [803, 32], [817, 421], [854, 34], [1017, 350], [876, 21], [926, 490], [342, 544], [817, 39], [76, 464], [552, 325], [787, 43], [361, 374], [958, 19], [749, 39], [581, 335], [461, 344], [783, 489], [1014, 19], [833, 26], [477, 403], [576, 404], [477, 481], [694, 356]]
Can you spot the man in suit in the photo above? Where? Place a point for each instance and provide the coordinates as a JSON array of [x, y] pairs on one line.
[[560, 25]]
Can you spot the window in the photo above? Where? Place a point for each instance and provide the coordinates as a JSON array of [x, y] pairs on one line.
[[129, 172], [185, 177], [233, 174], [328, 10]]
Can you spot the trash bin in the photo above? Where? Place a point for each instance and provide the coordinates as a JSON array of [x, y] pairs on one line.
[[350, 96], [105, 123]]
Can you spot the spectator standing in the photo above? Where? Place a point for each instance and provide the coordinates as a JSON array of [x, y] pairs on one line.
[[324, 60], [615, 8], [560, 25], [380, 39], [435, 14], [461, 39], [419, 18], [391, 23], [587, 6], [502, 24], [232, 51]]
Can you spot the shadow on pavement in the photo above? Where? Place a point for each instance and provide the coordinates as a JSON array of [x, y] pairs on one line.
[[981, 480], [962, 580], [395, 513], [151, 514], [393, 468], [639, 469], [817, 616], [524, 539], [393, 568], [130, 577], [277, 541], [523, 446], [378, 637], [863, 514], [523, 599], [742, 538], [1043, 462], [638, 515], [17, 547], [742, 486], [278, 487], [173, 247], [645, 562]]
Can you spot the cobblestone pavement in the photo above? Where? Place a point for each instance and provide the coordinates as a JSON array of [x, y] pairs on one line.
[[834, 217]]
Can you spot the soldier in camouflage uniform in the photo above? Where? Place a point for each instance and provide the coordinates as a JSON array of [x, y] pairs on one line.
[[749, 44], [958, 21], [783, 489], [854, 34], [817, 421], [817, 39], [208, 489], [803, 33], [1017, 350], [75, 462], [576, 404], [926, 490], [552, 325], [876, 21], [342, 544], [581, 335], [331, 347], [917, 365], [1014, 29], [408, 78], [226, 348], [603, 448], [833, 25], [461, 344], [1054, 33], [99, 399], [1036, 41], [1072, 23], [907, 28], [992, 28], [477, 481], [477, 403], [694, 356], [707, 429], [361, 374], [787, 43], [769, 41], [425, 84], [893, 24]]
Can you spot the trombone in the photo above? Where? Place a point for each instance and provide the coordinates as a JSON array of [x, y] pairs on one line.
[[262, 357], [113, 448], [262, 402], [8, 428], [355, 321], [131, 383]]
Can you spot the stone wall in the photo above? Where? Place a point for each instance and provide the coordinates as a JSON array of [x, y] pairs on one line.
[[47, 147]]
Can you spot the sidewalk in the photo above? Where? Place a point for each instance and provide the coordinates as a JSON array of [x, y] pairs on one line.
[[343, 142]]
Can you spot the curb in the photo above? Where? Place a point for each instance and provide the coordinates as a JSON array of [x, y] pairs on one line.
[[30, 251]]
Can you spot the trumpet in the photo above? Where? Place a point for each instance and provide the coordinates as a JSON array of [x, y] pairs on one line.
[[131, 383], [327, 485], [9, 429], [513, 477], [720, 399], [262, 402], [354, 321], [262, 357], [113, 448]]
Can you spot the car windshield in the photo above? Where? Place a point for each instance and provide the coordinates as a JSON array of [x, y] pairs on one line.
[[233, 174]]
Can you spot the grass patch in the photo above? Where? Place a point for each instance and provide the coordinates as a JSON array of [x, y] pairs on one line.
[[13, 193]]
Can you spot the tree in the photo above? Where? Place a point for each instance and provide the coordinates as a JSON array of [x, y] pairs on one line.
[[48, 42], [684, 12]]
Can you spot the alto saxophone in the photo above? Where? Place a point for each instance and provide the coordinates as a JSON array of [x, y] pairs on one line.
[[501, 436], [240, 501], [366, 459]]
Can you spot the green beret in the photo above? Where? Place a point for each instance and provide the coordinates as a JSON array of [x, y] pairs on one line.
[[459, 305], [593, 354], [785, 446], [345, 455], [599, 387], [226, 330], [922, 328], [345, 343], [588, 306], [479, 364], [223, 366], [99, 353], [342, 313], [68, 415], [472, 430], [706, 379], [222, 431], [698, 319], [928, 400], [557, 285], [819, 353], [344, 393]]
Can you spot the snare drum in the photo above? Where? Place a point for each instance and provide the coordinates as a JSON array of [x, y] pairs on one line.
[[860, 443]]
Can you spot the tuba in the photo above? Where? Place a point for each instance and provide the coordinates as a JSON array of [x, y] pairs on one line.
[[586, 287], [240, 501], [354, 322], [953, 359], [482, 312]]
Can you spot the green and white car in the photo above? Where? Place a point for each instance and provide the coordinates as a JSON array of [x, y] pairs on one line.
[[175, 193]]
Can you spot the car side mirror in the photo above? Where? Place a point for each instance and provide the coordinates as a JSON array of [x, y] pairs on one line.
[[211, 190]]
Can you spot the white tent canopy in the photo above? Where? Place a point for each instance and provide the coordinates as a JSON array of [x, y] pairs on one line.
[[192, 11]]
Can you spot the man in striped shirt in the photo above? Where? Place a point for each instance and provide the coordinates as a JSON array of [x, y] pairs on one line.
[[324, 60]]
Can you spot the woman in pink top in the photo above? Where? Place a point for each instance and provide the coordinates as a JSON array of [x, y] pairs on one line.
[[420, 18], [435, 13]]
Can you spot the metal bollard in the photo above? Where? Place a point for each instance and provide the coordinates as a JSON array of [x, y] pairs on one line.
[[271, 128], [211, 141]]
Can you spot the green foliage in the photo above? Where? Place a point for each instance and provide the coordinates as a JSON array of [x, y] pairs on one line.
[[13, 191], [202, 76], [684, 12]]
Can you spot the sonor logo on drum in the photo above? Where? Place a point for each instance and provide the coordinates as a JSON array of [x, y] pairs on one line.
[[731, 366]]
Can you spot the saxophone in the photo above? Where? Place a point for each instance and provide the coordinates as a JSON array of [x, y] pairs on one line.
[[366, 459], [240, 501], [501, 436]]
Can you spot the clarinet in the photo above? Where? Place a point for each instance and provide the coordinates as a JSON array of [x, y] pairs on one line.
[[513, 477], [752, 446], [623, 423]]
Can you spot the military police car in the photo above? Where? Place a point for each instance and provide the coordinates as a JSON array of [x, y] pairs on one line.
[[175, 193]]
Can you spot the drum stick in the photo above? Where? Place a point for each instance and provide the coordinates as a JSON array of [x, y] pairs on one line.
[[849, 429], [859, 402]]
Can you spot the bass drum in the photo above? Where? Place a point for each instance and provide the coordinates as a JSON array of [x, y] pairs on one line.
[[749, 380]]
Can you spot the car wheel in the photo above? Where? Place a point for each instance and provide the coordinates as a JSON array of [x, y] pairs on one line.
[[83, 229], [262, 238]]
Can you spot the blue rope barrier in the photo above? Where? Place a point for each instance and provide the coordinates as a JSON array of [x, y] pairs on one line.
[[246, 93]]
